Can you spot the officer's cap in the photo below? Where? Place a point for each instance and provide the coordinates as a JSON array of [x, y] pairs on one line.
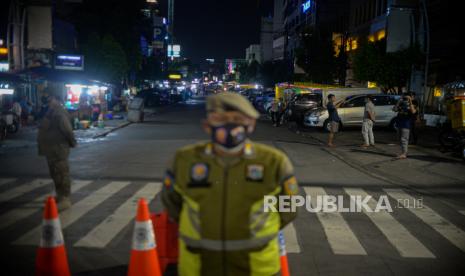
[[229, 101]]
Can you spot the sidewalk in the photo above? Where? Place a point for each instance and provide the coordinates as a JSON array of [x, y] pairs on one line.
[[426, 166], [26, 137]]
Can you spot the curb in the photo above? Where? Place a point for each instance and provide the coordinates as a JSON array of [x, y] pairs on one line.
[[101, 135]]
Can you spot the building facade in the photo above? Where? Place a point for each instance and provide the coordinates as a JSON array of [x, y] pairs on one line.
[[266, 39], [253, 52]]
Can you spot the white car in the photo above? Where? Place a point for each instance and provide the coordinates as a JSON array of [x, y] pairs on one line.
[[351, 110]]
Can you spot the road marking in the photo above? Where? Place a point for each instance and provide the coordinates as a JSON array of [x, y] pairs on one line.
[[290, 236], [448, 230], [23, 189], [407, 245], [102, 234], [79, 209], [33, 206], [462, 212], [340, 237], [4, 181]]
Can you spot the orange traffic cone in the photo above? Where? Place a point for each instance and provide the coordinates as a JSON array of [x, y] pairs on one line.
[[51, 257], [283, 255], [144, 258]]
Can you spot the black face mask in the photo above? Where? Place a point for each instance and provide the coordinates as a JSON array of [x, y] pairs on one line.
[[44, 100], [229, 136]]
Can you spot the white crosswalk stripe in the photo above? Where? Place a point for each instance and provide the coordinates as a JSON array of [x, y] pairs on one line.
[[398, 235], [23, 189], [79, 209], [340, 237], [444, 227], [4, 181], [30, 208], [103, 233]]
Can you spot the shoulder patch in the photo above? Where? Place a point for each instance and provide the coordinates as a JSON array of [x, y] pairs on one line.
[[290, 186], [168, 181]]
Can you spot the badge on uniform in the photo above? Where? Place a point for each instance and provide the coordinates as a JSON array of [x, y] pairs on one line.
[[255, 172], [290, 186], [199, 175]]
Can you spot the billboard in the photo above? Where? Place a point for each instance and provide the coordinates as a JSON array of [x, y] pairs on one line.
[[174, 50], [69, 62], [39, 23]]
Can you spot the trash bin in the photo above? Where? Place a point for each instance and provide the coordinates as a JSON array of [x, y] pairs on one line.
[[136, 110]]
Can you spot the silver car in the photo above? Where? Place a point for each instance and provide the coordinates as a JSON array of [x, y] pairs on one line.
[[351, 111]]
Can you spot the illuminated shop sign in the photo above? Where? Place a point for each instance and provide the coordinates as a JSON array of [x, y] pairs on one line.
[[68, 62], [306, 6]]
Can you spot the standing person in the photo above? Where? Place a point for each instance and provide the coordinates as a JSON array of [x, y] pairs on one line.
[[334, 119], [415, 120], [368, 122], [55, 138], [216, 191], [16, 108], [405, 110], [275, 109]]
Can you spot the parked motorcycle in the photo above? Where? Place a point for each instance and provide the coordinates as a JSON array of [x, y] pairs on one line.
[[452, 139], [12, 121]]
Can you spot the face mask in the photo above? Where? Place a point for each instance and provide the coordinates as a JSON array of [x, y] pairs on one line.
[[44, 100], [230, 137]]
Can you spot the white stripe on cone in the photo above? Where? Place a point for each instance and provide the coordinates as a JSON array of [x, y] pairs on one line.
[[51, 234], [143, 238]]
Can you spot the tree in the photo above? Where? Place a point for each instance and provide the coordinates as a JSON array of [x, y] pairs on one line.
[[391, 71], [272, 72], [114, 59], [316, 57], [105, 58]]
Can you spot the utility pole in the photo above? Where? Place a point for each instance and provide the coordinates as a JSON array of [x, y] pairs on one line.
[[171, 21]]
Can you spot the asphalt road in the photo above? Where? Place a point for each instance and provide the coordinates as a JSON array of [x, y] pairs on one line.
[[111, 173]]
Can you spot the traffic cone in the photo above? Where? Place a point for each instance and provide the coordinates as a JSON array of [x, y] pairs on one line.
[[51, 257], [144, 258], [283, 255]]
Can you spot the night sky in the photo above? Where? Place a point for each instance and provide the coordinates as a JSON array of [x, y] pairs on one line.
[[211, 28], [218, 28]]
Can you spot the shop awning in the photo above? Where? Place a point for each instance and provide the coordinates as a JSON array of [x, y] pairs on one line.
[[64, 76]]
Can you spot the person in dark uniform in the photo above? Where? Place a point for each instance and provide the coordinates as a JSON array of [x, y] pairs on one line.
[[55, 138]]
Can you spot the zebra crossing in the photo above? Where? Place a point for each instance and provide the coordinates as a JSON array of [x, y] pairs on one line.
[[338, 230]]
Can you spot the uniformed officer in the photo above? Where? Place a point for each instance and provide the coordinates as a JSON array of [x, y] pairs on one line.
[[55, 138], [216, 190]]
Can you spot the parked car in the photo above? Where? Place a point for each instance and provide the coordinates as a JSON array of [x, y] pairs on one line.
[[301, 104], [351, 112]]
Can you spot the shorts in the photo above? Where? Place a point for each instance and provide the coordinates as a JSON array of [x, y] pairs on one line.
[[334, 127]]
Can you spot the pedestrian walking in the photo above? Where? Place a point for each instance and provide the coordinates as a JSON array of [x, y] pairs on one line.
[[368, 122], [405, 110], [333, 119], [215, 190], [55, 138]]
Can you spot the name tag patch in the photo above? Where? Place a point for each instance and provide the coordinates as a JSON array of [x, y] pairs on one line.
[[255, 172]]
